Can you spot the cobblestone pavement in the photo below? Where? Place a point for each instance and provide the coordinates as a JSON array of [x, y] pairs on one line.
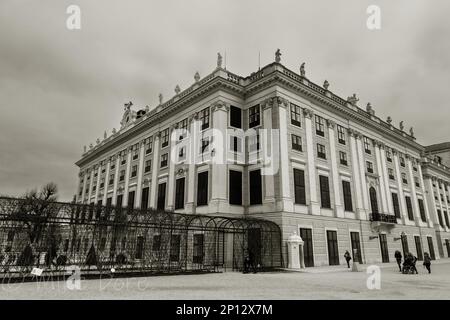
[[316, 283]]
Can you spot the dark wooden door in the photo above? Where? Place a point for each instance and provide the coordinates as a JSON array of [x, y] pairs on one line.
[[308, 254], [356, 244], [333, 252], [384, 248], [431, 247], [447, 243], [254, 244], [418, 247]]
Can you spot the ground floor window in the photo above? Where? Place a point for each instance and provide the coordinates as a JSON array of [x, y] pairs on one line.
[[333, 252], [198, 248], [308, 254]]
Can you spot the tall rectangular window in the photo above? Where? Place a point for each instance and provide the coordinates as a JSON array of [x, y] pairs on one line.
[[396, 205], [122, 175], [369, 166], [422, 210], [320, 126], [296, 143], [119, 200], [388, 156], [198, 251], [447, 222], [179, 193], [235, 117], [321, 151], [253, 116], [255, 187], [402, 161], [144, 198], [299, 186], [391, 174], [148, 145], [164, 158], [235, 144], [203, 116], [409, 208], [131, 195], [165, 138], [134, 171], [296, 112], [161, 204], [204, 145], [367, 145], [202, 188], [348, 205], [324, 192], [343, 158], [175, 242], [404, 180], [183, 127], [148, 166], [235, 187], [441, 222], [341, 134]]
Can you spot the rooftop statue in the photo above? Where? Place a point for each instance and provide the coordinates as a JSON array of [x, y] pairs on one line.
[[177, 89], [114, 131], [219, 60], [98, 141], [105, 135], [84, 149], [369, 108], [326, 84], [302, 69], [389, 120], [160, 98], [277, 56], [91, 146], [147, 109], [128, 105], [197, 76], [402, 125], [353, 99], [411, 131]]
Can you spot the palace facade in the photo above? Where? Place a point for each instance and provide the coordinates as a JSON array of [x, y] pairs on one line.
[[345, 179]]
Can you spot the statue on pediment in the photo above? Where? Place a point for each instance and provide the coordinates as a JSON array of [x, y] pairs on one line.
[[402, 126], [278, 56], [84, 149], [128, 105], [177, 89], [114, 131], [353, 99], [197, 76], [160, 98], [389, 120], [98, 141], [105, 135], [326, 84], [411, 132], [302, 70], [219, 60]]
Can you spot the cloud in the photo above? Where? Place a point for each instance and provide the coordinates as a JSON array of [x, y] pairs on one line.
[[61, 89]]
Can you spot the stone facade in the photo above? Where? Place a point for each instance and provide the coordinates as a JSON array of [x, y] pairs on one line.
[[337, 146]]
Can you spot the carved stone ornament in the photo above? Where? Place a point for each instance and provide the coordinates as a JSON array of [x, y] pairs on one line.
[[308, 113], [353, 100], [219, 105], [302, 70], [281, 101], [331, 124], [219, 60], [389, 120]]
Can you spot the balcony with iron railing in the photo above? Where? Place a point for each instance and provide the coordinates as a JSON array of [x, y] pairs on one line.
[[384, 218]]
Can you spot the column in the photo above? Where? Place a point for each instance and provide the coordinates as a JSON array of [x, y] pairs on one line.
[[357, 187], [172, 163], [314, 207], [412, 183], [387, 188], [83, 192], [191, 157], [445, 205], [401, 197], [105, 189], [155, 169], [97, 183], [362, 171], [339, 209], [381, 176], [91, 184], [432, 202], [116, 180], [424, 195], [286, 198], [269, 183], [127, 178], [140, 174], [219, 179], [441, 204]]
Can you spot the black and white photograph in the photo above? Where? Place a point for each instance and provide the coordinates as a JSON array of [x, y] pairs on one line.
[[224, 151]]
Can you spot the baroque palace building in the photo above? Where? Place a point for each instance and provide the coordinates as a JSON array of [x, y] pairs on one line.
[[345, 178]]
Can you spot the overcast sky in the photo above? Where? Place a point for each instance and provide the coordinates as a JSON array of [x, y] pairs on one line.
[[61, 89]]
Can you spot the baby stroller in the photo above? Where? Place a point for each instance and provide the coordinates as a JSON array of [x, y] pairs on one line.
[[409, 265]]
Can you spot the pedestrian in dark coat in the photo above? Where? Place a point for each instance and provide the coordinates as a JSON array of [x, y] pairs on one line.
[[347, 258], [427, 261], [398, 257]]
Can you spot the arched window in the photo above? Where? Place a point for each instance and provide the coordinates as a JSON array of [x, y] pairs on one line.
[[373, 200]]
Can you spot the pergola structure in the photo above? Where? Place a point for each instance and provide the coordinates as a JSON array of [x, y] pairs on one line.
[[56, 237]]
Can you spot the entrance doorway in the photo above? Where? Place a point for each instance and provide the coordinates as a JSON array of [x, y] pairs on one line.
[[447, 243], [418, 247], [333, 252], [384, 248], [431, 248], [254, 244], [308, 254], [404, 245], [356, 244]]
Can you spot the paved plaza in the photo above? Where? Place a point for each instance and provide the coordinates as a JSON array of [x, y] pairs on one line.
[[316, 283]]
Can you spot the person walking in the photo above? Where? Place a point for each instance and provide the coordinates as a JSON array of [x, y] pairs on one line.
[[398, 257], [347, 258], [427, 261]]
